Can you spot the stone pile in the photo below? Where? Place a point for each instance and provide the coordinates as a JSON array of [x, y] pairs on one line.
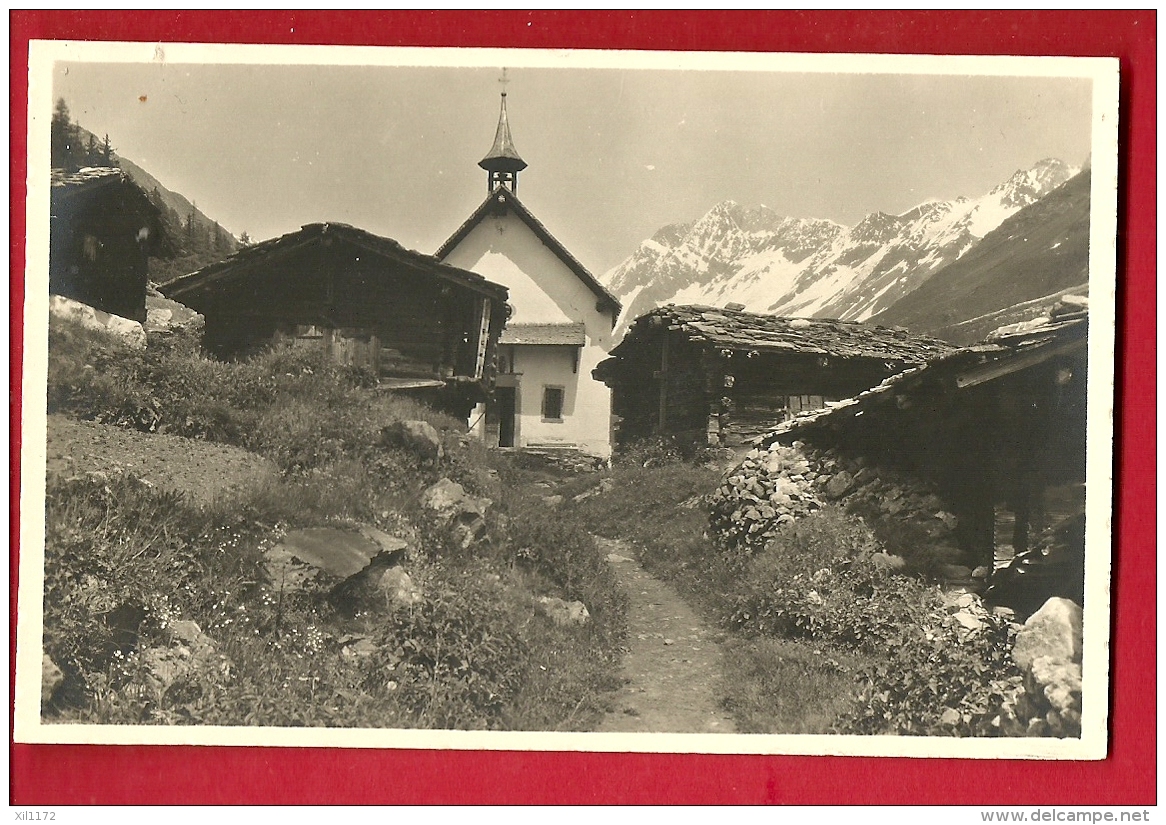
[[769, 488], [908, 506], [779, 484]]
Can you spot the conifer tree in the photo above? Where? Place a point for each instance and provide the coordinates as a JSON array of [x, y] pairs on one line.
[[64, 151]]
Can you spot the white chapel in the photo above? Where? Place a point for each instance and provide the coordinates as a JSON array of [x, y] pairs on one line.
[[560, 325]]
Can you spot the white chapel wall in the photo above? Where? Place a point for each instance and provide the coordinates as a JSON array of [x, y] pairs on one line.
[[544, 290]]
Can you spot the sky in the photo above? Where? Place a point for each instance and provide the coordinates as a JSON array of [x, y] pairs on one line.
[[614, 153]]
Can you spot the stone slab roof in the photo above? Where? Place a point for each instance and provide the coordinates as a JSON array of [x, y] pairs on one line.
[[315, 233], [1004, 354], [739, 330], [557, 334]]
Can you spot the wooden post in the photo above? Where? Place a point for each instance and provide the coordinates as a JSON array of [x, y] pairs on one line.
[[663, 375]]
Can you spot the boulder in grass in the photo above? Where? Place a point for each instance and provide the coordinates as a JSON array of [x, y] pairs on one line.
[[341, 563], [1053, 631], [399, 589], [457, 510], [419, 437], [562, 612], [51, 678]]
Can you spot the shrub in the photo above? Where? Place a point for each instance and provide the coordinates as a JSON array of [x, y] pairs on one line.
[[944, 684], [660, 451], [458, 659], [926, 674], [816, 580], [562, 552], [287, 403]]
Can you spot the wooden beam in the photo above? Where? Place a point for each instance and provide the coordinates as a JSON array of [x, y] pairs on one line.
[[663, 383], [997, 369]]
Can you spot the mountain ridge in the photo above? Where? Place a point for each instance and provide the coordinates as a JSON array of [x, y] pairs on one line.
[[1033, 257], [816, 267]]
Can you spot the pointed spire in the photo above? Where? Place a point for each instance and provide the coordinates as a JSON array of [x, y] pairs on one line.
[[502, 161]]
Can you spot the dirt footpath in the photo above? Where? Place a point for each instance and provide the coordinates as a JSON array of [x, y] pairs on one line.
[[673, 660], [202, 470]]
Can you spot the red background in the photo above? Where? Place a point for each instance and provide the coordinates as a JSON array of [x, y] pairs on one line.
[[67, 774]]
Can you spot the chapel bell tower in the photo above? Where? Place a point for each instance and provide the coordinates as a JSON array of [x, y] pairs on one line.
[[502, 163]]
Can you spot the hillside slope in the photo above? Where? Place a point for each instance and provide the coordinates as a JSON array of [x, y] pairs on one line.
[[1040, 252]]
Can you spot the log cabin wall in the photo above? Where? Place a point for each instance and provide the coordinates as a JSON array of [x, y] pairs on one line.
[[663, 388], [724, 376], [700, 394], [759, 390], [362, 301], [102, 227], [354, 307]]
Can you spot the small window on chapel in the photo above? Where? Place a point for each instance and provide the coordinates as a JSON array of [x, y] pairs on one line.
[[553, 403]]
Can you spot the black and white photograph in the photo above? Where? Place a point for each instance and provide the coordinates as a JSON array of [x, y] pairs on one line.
[[557, 400]]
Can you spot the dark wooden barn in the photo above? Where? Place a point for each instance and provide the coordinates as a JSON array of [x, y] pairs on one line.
[[722, 377], [102, 228], [365, 301], [999, 426]]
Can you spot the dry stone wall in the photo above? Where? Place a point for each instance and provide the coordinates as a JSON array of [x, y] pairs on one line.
[[778, 484]]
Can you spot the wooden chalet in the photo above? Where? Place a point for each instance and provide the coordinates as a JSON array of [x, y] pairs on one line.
[[723, 376], [999, 426], [366, 301], [102, 228]]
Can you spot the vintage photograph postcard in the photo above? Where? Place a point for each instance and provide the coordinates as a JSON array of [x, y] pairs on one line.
[[567, 400]]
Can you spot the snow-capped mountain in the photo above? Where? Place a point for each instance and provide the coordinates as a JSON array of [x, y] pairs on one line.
[[1019, 269], [811, 267]]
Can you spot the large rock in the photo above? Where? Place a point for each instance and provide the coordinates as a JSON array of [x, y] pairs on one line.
[[191, 653], [1053, 631], [839, 485], [453, 507], [562, 612], [1058, 681], [315, 558], [399, 589], [419, 437], [51, 678], [1048, 653], [131, 332]]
